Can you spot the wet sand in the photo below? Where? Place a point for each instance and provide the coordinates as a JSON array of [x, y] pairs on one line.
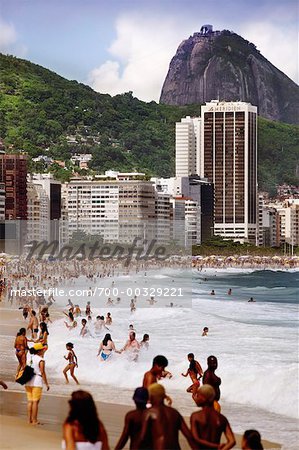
[[15, 433]]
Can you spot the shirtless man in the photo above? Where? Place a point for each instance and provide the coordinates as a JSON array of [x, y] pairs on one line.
[[207, 425], [132, 345], [209, 377], [156, 372], [134, 420], [151, 301], [195, 372], [33, 324], [161, 424]]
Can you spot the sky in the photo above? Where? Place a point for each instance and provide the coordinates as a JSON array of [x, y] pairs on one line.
[[117, 46]]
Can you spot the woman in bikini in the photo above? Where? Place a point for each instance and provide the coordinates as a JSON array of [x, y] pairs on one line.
[[21, 347], [43, 335], [106, 347], [72, 362], [195, 372]]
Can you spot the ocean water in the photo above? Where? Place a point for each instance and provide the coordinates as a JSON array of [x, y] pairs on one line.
[[256, 343]]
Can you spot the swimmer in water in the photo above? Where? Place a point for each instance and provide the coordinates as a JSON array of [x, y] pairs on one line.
[[212, 292], [106, 347], [108, 319], [72, 363], [87, 309], [132, 306], [131, 328], [229, 292], [145, 341], [251, 300], [195, 372], [151, 301], [84, 330], [205, 331], [132, 346]]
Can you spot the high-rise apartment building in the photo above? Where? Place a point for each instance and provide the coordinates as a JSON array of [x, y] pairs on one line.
[[13, 173], [118, 210], [187, 146], [229, 161], [44, 207]]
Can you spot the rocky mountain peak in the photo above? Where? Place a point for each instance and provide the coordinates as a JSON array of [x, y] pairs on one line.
[[221, 64]]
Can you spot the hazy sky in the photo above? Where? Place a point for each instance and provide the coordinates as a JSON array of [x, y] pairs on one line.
[[121, 45]]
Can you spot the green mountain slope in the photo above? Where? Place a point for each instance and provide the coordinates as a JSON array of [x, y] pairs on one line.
[[43, 113]]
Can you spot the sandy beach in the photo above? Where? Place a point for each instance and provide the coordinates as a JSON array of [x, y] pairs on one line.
[[15, 433]]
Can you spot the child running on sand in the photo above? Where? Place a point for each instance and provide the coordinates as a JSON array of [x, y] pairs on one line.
[[195, 372], [72, 363]]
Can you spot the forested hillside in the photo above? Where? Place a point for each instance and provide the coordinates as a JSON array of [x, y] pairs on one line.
[[43, 113]]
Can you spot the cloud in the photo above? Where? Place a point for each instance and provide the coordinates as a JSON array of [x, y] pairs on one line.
[[279, 44], [9, 40], [8, 35], [140, 55]]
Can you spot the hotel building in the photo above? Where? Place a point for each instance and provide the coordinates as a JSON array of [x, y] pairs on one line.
[[229, 161]]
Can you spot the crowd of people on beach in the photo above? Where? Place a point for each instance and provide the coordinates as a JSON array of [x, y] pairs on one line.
[[154, 424], [245, 261]]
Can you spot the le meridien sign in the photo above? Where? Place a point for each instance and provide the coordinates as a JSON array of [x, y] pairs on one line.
[[226, 108]]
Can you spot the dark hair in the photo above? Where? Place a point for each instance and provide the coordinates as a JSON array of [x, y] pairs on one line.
[[98, 317], [145, 336], [83, 321], [160, 361], [107, 338], [33, 313], [69, 344], [133, 334], [32, 351], [211, 358], [44, 327], [253, 439], [71, 316], [191, 355], [21, 331], [83, 410]]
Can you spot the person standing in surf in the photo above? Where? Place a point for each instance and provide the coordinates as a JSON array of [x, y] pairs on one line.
[[209, 377], [21, 347], [106, 347], [194, 371], [72, 363]]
